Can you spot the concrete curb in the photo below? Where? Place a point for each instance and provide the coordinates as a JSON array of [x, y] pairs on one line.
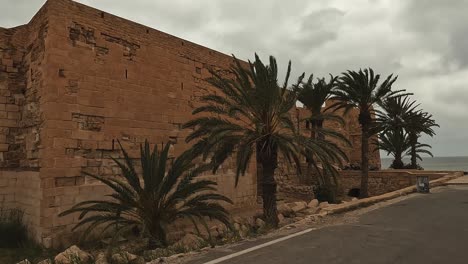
[[341, 208]]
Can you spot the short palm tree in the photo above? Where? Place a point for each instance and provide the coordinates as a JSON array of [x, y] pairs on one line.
[[395, 112], [419, 123], [419, 148], [314, 95], [403, 113], [154, 199], [361, 90], [396, 143], [250, 114]]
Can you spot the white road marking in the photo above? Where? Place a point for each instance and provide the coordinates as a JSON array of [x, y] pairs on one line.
[[245, 251]]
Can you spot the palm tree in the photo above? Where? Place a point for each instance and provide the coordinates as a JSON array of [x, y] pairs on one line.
[[419, 148], [360, 90], [154, 199], [395, 113], [419, 123], [314, 95], [250, 114], [403, 113], [396, 143]]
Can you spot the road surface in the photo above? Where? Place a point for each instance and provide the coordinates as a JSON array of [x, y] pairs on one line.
[[426, 228]]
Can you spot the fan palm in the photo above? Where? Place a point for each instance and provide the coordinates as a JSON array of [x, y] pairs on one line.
[[314, 95], [250, 114], [395, 113], [419, 148], [396, 143], [361, 90], [154, 199], [403, 113], [419, 123]]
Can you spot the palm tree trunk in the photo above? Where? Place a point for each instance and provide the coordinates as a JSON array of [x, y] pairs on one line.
[[310, 158], [320, 126], [269, 161], [398, 162], [364, 192], [413, 142], [329, 186], [157, 238], [313, 134]]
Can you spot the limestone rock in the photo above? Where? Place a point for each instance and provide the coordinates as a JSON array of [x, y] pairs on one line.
[[323, 205], [259, 223], [119, 258], [322, 214], [214, 232], [190, 242], [158, 253], [73, 254], [238, 219], [311, 210], [244, 231], [287, 221], [138, 260], [354, 199], [312, 204], [101, 259], [299, 206], [281, 219], [46, 261], [26, 261], [127, 258], [285, 210]]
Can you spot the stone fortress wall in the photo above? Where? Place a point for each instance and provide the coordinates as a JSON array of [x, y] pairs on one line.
[[73, 81]]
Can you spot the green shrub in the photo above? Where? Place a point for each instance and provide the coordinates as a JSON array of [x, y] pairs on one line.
[[150, 200]]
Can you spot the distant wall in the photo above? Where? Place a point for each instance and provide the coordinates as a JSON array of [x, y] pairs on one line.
[[299, 186], [384, 181]]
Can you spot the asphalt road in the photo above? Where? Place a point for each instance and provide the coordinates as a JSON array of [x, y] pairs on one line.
[[430, 228]]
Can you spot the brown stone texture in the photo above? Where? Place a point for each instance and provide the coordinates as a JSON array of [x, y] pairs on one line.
[[73, 82], [299, 186], [381, 182]]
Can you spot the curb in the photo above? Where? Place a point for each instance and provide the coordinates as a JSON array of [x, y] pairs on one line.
[[341, 208]]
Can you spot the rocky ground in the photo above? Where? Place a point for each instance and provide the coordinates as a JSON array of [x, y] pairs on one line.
[[294, 217], [416, 229], [303, 221]]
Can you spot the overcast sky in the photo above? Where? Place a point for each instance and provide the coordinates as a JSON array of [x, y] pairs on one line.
[[424, 42]]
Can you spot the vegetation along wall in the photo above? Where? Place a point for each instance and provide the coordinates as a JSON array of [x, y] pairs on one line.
[[73, 81]]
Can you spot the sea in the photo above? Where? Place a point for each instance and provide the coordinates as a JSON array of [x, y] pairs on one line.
[[436, 163]]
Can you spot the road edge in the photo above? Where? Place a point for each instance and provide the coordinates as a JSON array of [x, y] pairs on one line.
[[349, 206]]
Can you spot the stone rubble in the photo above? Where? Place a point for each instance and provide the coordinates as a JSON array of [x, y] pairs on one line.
[[190, 242], [73, 254]]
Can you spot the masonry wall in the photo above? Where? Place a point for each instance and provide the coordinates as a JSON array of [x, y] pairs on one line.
[[73, 82], [109, 79], [385, 181], [21, 81], [21, 189], [300, 186]]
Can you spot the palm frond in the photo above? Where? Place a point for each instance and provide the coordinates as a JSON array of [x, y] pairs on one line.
[[168, 192]]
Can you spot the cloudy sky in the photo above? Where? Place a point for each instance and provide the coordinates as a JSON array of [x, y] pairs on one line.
[[424, 42]]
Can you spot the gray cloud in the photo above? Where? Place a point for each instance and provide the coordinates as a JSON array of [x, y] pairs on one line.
[[441, 26], [422, 41]]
